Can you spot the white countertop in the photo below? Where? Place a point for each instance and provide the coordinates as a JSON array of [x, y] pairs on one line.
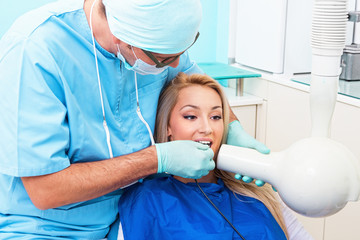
[[244, 100], [287, 81]]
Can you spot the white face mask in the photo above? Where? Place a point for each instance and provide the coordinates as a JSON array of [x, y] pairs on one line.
[[140, 66]]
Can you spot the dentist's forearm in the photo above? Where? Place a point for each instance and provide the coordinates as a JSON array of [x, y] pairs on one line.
[[89, 180]]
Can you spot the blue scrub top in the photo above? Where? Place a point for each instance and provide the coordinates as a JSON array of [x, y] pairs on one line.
[[165, 208], [52, 117]]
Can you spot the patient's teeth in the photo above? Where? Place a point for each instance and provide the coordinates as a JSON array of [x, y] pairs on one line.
[[205, 142]]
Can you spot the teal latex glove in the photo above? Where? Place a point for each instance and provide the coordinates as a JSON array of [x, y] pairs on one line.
[[248, 179], [186, 159], [238, 137]]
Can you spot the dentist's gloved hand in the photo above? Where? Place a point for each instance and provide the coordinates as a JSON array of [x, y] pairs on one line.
[[248, 179], [184, 158], [238, 137]]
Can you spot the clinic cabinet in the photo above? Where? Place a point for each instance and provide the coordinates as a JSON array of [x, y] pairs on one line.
[[284, 118]]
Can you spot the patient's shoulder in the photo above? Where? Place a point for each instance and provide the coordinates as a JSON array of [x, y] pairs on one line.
[[147, 187]]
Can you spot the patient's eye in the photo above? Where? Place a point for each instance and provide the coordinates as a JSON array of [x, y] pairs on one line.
[[216, 117], [190, 117]]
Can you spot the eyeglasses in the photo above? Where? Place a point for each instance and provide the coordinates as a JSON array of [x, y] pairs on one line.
[[168, 60]]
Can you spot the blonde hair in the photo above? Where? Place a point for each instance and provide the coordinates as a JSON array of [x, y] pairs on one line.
[[167, 101]]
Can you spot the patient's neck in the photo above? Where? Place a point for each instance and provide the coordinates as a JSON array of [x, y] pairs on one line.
[[210, 178]]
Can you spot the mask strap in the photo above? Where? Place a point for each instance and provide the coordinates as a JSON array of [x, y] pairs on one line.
[[118, 48], [107, 132]]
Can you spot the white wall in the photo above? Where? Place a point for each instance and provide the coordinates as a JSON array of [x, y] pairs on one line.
[[11, 9]]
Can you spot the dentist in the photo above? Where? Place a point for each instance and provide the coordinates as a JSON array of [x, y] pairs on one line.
[[80, 82]]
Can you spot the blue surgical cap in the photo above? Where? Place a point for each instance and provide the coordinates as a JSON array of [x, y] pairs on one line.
[[160, 26]]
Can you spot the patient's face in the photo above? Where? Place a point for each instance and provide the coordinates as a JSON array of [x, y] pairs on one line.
[[197, 116]]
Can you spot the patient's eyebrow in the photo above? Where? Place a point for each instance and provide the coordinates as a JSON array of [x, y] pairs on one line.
[[216, 107], [191, 106], [197, 107]]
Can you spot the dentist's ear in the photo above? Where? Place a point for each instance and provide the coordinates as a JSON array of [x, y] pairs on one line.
[[116, 40], [119, 42], [115, 46]]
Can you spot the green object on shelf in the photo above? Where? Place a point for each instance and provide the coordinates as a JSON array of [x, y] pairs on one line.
[[220, 71], [223, 72]]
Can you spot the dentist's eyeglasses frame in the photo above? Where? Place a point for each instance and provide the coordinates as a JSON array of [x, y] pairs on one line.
[[168, 60]]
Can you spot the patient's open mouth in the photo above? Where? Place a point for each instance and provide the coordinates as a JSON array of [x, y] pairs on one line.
[[205, 143]]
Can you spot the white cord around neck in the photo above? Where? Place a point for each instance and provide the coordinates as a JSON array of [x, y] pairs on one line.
[[138, 112], [107, 132]]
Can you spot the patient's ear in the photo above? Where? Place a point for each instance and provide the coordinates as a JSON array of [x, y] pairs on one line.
[[169, 133]]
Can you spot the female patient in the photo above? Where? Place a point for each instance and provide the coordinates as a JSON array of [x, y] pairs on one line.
[[216, 206]]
